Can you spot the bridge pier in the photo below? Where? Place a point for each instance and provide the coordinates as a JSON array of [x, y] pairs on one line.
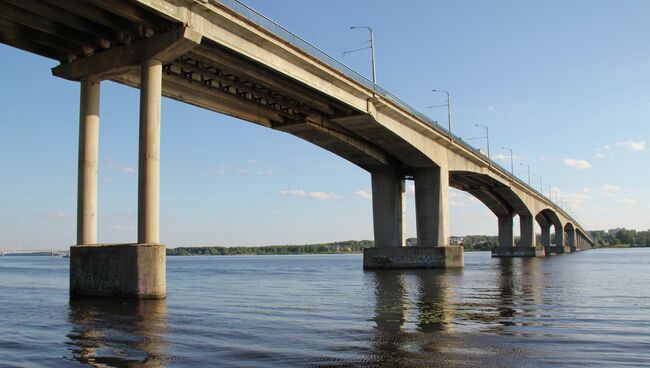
[[433, 250], [121, 270], [526, 247], [570, 244], [546, 238]]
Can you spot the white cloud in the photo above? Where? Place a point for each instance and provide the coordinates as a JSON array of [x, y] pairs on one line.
[[123, 168], [625, 201], [578, 164], [491, 108], [600, 155], [265, 172], [120, 227], [57, 216], [252, 161], [108, 180], [320, 196], [244, 171], [632, 145], [364, 193], [610, 188]]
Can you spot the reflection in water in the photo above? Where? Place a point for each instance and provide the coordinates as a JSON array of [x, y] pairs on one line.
[[417, 298], [519, 293], [434, 300], [118, 333]]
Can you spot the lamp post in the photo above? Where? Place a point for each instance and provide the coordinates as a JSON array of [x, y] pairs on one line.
[[528, 166], [512, 161], [549, 190], [372, 50], [448, 107], [540, 183], [487, 136]]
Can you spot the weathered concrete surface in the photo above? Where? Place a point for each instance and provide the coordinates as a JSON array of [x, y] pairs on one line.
[[413, 257], [123, 271], [88, 162], [519, 251], [569, 249]]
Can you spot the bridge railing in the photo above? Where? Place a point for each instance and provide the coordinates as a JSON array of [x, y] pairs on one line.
[[293, 39]]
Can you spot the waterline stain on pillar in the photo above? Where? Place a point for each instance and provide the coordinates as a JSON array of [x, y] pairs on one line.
[[122, 271]]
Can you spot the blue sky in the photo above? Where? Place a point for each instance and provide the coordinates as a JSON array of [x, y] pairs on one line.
[[564, 83]]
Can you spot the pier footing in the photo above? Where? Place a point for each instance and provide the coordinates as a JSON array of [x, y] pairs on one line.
[[118, 271], [500, 252], [569, 249], [413, 257]]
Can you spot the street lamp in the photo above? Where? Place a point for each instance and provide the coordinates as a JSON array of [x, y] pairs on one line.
[[528, 166], [512, 161], [448, 107], [487, 136], [549, 190], [540, 183], [372, 50]]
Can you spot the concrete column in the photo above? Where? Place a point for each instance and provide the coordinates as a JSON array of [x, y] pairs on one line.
[[571, 239], [506, 236], [388, 209], [88, 162], [149, 160], [559, 236], [546, 236], [527, 231], [431, 206]]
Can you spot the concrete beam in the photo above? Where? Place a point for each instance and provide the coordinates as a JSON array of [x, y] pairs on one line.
[[88, 162], [106, 64], [388, 208], [431, 206]]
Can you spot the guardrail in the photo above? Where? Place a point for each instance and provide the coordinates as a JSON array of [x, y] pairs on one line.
[[293, 39]]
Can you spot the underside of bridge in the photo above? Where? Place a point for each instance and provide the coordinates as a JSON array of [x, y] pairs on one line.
[[148, 48]]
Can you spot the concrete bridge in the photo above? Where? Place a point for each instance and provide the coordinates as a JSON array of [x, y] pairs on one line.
[[14, 252], [222, 56]]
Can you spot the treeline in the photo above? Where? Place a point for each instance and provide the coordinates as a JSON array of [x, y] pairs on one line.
[[472, 243], [481, 242], [621, 237], [351, 246]]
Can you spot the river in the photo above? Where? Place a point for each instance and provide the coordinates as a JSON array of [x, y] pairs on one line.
[[589, 309]]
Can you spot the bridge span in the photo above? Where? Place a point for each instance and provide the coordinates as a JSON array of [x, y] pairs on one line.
[[225, 57]]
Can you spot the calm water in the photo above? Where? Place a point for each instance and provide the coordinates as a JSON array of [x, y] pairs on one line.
[[587, 309]]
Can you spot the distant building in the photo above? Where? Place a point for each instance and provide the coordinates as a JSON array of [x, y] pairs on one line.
[[455, 240]]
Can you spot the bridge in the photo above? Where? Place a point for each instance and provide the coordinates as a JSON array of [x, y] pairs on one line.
[[222, 56], [16, 252]]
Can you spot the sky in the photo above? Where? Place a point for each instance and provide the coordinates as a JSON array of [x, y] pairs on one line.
[[565, 84]]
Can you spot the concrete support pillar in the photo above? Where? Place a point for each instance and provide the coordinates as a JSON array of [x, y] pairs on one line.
[[546, 236], [570, 243], [559, 237], [527, 231], [149, 160], [88, 162], [506, 236], [388, 209], [431, 206]]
